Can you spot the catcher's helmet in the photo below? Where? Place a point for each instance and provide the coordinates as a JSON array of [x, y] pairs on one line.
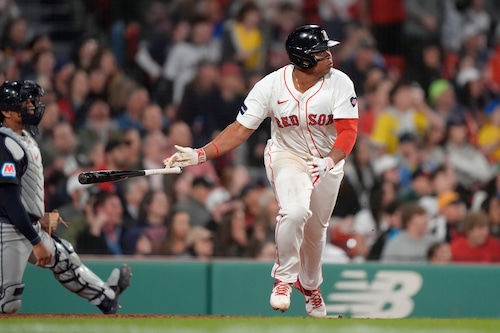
[[14, 93], [304, 41]]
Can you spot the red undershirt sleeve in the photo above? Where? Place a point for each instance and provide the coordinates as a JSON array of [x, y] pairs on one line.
[[347, 131]]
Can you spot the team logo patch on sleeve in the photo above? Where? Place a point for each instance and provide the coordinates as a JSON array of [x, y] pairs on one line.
[[354, 101], [243, 109], [8, 170]]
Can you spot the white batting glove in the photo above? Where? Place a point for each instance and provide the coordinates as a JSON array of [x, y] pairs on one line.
[[319, 167], [185, 156]]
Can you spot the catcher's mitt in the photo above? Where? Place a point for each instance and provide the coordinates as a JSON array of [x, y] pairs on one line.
[[49, 221]]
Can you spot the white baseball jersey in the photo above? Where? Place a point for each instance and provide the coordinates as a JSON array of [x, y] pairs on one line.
[[301, 122]]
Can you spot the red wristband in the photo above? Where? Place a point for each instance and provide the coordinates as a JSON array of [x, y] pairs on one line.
[[216, 148]]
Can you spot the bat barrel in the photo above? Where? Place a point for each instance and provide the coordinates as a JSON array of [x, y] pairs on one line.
[[92, 177], [86, 178]]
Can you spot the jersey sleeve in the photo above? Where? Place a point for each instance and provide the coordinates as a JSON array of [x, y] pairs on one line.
[[255, 107], [345, 99]]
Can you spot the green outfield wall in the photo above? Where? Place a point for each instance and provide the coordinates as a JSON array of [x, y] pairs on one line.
[[243, 288]]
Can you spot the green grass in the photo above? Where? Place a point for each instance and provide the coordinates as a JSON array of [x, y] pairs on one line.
[[78, 324]]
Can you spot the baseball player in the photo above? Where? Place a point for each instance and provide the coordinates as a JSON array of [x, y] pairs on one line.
[[22, 216], [314, 112]]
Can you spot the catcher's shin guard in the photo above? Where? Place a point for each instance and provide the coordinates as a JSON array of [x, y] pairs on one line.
[[76, 277], [119, 280], [10, 298]]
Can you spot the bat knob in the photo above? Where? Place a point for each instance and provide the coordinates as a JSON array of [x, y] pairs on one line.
[[83, 178]]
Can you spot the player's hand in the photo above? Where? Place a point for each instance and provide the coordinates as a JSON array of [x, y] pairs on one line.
[[42, 254], [319, 167], [185, 156]]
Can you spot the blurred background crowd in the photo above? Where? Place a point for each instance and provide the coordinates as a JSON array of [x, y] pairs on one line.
[[125, 81]]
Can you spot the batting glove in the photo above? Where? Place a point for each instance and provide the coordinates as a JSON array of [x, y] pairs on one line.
[[185, 156], [319, 167]]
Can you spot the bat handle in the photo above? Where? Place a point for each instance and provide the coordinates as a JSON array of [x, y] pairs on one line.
[[164, 171]]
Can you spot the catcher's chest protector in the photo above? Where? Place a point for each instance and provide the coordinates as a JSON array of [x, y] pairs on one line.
[[32, 193]]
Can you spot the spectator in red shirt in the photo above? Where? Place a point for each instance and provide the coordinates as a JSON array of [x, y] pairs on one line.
[[386, 18], [476, 245]]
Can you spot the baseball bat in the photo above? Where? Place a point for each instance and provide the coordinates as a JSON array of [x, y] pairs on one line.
[[102, 176]]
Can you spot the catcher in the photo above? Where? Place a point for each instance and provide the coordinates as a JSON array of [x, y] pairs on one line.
[[25, 229]]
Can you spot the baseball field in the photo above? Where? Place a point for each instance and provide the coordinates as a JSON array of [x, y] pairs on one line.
[[223, 324]]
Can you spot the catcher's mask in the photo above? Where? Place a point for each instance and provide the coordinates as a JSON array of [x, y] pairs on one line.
[[304, 41], [23, 97]]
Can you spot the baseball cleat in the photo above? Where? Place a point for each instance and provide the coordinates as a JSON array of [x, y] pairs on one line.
[[124, 279], [118, 281], [315, 306], [280, 296]]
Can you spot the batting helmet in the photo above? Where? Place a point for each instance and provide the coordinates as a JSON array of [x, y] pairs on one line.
[[14, 93], [304, 41]]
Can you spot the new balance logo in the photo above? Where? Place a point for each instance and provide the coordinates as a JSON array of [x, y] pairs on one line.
[[281, 102], [389, 295]]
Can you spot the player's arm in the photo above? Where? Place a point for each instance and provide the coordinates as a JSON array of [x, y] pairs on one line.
[[345, 118], [252, 112], [230, 138], [346, 125], [347, 132], [16, 213]]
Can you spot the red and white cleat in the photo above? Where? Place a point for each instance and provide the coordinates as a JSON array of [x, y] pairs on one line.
[[280, 296], [315, 306]]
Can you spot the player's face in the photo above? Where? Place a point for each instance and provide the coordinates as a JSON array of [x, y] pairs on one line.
[[325, 62], [29, 105]]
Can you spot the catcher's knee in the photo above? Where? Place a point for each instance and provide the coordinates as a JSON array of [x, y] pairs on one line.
[[66, 256], [10, 298]]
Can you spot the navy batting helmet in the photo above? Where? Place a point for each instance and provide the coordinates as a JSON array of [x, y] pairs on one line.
[[304, 41], [14, 93]]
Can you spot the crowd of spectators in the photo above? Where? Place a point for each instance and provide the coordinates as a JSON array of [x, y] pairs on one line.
[[421, 185]]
